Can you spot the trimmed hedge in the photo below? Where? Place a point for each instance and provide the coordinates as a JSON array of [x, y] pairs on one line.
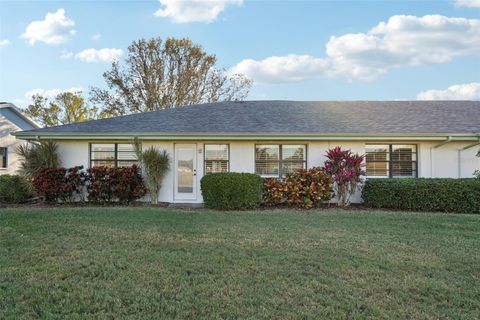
[[14, 189], [231, 190], [423, 194]]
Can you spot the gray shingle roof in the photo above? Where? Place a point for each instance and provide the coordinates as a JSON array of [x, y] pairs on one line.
[[294, 117]]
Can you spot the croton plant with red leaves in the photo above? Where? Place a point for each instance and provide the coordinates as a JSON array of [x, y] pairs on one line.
[[345, 167], [305, 188], [59, 184], [107, 184]]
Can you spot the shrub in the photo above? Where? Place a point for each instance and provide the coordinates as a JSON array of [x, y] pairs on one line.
[[439, 194], [128, 184], [274, 192], [306, 188], [105, 184], [231, 190], [345, 168], [59, 184], [99, 184], [155, 165], [14, 189]]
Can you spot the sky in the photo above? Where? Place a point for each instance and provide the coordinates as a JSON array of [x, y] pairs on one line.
[[292, 50]]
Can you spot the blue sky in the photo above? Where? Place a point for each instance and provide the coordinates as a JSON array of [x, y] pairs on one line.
[[423, 49]]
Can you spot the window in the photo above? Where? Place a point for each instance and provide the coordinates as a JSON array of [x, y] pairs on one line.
[[391, 161], [3, 158], [216, 158], [274, 160], [112, 155]]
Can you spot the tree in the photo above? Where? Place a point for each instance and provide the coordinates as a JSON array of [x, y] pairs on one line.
[[161, 74], [155, 165], [65, 108]]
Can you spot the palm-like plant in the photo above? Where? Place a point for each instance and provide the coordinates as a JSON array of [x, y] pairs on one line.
[[37, 155], [155, 165]]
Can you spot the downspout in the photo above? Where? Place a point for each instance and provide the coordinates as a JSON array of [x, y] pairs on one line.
[[460, 155], [436, 147]]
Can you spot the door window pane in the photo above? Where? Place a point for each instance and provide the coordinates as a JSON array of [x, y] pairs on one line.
[[185, 170]]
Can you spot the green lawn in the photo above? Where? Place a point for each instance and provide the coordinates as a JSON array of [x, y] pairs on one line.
[[168, 263]]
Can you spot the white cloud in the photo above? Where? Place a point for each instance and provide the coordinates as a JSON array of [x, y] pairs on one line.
[[282, 69], [49, 93], [96, 36], [66, 55], [56, 28], [4, 42], [105, 55], [468, 3], [467, 91], [399, 42], [182, 11]]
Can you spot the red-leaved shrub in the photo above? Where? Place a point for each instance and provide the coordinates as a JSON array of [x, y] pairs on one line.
[[345, 167], [59, 184], [105, 184], [274, 192], [306, 188]]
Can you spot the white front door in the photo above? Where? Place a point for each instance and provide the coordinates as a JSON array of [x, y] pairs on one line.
[[185, 172]]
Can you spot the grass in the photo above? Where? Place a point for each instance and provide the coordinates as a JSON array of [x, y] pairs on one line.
[[165, 263]]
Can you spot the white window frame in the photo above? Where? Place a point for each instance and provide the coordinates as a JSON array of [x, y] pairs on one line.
[[390, 161], [280, 156], [6, 158], [205, 156]]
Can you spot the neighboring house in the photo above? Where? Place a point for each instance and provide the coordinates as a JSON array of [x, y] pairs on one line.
[[270, 138], [11, 120]]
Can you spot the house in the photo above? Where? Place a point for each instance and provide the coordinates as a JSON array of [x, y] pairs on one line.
[[270, 138], [11, 120]]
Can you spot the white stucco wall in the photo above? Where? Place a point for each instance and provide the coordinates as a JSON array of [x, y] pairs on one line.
[[166, 191], [447, 161], [10, 142], [74, 153], [444, 163]]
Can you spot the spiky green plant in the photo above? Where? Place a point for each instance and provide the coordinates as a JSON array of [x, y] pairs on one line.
[[43, 154], [155, 165]]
